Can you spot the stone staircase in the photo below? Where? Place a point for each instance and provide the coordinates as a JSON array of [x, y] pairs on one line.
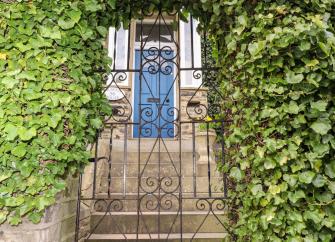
[[184, 210]]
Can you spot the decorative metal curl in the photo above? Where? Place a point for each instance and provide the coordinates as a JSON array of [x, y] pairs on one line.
[[202, 204], [149, 184], [150, 201], [166, 69], [171, 128], [121, 109], [218, 204], [167, 185], [115, 205], [171, 112], [147, 115], [200, 111], [167, 201]]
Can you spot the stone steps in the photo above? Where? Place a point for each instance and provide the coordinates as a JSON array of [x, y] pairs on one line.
[[164, 168], [117, 215], [173, 237], [131, 184], [154, 222]]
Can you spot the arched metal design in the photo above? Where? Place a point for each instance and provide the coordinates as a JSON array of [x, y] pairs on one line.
[[159, 150]]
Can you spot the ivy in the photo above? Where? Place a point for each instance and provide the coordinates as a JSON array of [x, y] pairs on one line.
[[282, 139], [51, 53], [277, 74]]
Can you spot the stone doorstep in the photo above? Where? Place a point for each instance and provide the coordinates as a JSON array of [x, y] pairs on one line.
[[156, 236], [200, 221], [165, 169], [156, 213], [149, 145], [131, 185], [185, 196]]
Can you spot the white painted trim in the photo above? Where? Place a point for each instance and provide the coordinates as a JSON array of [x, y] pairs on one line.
[[121, 53], [187, 79]]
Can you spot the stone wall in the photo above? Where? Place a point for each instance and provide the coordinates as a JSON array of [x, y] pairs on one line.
[[58, 224]]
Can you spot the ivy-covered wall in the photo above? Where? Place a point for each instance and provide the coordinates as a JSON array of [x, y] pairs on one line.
[[277, 73], [51, 58]]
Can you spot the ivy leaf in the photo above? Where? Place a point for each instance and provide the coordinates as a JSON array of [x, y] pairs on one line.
[[292, 78], [26, 134], [54, 120], [66, 24], [270, 164], [102, 30], [319, 105], [274, 189], [26, 75], [236, 173], [216, 9], [85, 98], [319, 181], [52, 33], [306, 177], [19, 150], [330, 169], [256, 189], [5, 175], [3, 216], [75, 15], [256, 47], [14, 220], [321, 126], [44, 202], [92, 5], [296, 196], [96, 123], [325, 48], [9, 82], [35, 217], [12, 131], [14, 201], [314, 216], [293, 108], [291, 179], [331, 186]]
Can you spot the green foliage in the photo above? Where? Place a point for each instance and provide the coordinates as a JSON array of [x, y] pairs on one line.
[[50, 100], [278, 63]]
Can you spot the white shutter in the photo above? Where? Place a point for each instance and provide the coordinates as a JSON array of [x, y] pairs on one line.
[[187, 79]]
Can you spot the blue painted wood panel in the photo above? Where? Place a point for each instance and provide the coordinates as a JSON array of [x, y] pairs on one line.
[[153, 99]]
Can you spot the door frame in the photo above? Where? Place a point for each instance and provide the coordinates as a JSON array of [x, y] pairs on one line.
[[137, 46]]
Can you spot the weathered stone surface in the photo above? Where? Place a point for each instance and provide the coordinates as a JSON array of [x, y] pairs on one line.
[[57, 225]]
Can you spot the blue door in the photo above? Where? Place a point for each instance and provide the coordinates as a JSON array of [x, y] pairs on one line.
[[154, 101]]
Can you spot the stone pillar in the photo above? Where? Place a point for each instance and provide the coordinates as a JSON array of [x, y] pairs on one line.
[[57, 225]]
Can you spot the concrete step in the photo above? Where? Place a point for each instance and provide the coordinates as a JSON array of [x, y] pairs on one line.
[[173, 237], [163, 156], [169, 184], [164, 168], [154, 222]]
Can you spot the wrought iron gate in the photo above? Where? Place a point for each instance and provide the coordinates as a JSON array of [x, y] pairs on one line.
[[154, 173]]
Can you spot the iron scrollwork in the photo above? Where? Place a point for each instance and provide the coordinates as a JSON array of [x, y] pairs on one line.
[[161, 191]]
